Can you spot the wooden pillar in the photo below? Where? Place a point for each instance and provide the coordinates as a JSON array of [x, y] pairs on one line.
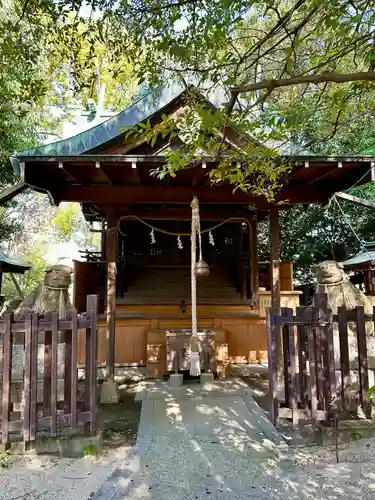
[[253, 255], [103, 240], [275, 284], [275, 260], [239, 255], [111, 292]]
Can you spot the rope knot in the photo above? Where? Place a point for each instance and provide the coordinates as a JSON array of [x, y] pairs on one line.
[[195, 204]]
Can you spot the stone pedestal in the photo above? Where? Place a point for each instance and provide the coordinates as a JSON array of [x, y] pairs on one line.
[[109, 393], [176, 380], [206, 379]]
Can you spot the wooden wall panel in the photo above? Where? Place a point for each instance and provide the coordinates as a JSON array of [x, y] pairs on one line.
[[286, 276], [246, 338], [101, 348]]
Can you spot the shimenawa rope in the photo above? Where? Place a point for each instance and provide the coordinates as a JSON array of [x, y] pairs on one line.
[[195, 368], [170, 233]]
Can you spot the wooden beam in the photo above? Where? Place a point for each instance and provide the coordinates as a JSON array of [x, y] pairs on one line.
[[136, 176], [124, 195], [111, 292], [69, 175], [124, 158], [253, 255], [173, 213], [12, 191], [238, 242], [200, 175], [355, 199], [22, 171], [101, 175]]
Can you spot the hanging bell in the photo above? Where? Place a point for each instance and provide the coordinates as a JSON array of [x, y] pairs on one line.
[[201, 268]]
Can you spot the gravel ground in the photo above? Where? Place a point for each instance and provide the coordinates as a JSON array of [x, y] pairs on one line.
[[306, 473], [300, 474], [47, 478], [52, 478], [313, 472]]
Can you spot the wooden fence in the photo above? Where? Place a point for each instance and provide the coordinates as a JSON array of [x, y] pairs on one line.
[[32, 405], [309, 373]]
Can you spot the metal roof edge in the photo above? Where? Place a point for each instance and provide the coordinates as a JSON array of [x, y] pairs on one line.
[[4, 259], [140, 110]]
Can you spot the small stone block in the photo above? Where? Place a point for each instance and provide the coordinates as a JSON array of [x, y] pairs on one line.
[[176, 380], [109, 393], [80, 446], [206, 379]]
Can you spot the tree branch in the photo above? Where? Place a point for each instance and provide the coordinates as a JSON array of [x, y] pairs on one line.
[[326, 76], [168, 5]]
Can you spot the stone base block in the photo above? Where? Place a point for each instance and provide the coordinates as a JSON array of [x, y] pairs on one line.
[[348, 430], [206, 379], [109, 393], [176, 380], [69, 446], [81, 446]]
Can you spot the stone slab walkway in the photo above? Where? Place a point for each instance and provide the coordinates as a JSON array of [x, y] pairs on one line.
[[198, 444], [218, 444]]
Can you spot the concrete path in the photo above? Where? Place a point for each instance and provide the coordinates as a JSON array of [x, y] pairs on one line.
[[195, 444], [218, 445]]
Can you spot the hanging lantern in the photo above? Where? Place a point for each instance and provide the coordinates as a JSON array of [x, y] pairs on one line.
[[202, 268]]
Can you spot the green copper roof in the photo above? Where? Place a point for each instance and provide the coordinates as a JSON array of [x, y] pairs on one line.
[[8, 265], [140, 110], [366, 255]]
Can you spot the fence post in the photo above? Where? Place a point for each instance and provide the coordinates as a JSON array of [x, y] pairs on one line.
[[34, 375], [27, 379], [302, 357], [7, 373], [312, 366], [47, 375], [362, 360], [55, 334], [74, 372], [284, 334], [90, 361], [68, 371], [344, 354], [290, 359], [325, 316], [272, 366]]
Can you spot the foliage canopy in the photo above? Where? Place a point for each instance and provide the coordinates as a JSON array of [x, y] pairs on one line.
[[293, 73]]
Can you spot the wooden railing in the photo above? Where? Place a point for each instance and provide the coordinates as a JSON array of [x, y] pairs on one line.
[[38, 408], [311, 388]]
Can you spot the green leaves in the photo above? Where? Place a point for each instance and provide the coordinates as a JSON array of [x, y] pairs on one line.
[[370, 393], [66, 221]]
